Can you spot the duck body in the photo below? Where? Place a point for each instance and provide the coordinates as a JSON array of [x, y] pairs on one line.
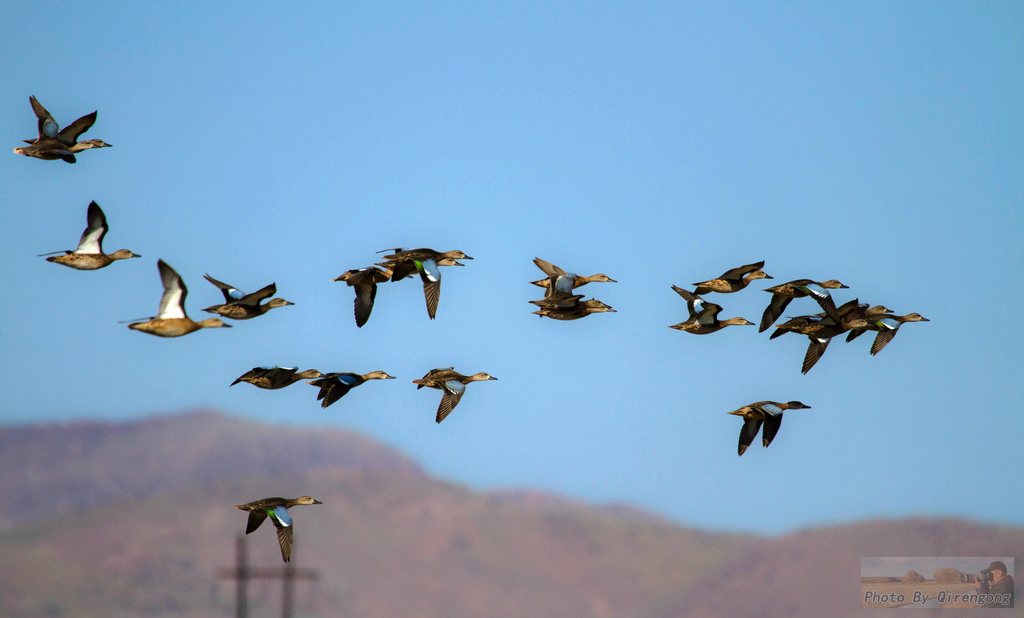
[[452, 384], [799, 288], [703, 318], [733, 280], [364, 281], [334, 386], [768, 413], [171, 320], [273, 378], [277, 510], [89, 253]]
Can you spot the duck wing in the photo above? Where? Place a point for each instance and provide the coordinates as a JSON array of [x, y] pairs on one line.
[[69, 134], [430, 274], [47, 126], [335, 386], [255, 519], [815, 351], [231, 293], [363, 303], [549, 269], [255, 298], [748, 433], [172, 303], [823, 298], [284, 539], [771, 427], [453, 391], [694, 303], [884, 336], [709, 314], [735, 274], [283, 522], [401, 269], [96, 228], [773, 311]]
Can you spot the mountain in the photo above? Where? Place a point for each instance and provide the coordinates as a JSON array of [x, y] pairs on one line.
[[135, 519], [52, 469]]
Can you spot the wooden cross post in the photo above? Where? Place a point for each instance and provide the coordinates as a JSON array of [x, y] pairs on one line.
[[241, 573]]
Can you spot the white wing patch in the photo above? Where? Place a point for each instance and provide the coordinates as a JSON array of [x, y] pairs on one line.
[[90, 242]]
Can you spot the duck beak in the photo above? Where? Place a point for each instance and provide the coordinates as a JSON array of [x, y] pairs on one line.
[[317, 502]]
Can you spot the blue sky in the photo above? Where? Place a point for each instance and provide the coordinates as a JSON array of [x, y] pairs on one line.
[[878, 143]]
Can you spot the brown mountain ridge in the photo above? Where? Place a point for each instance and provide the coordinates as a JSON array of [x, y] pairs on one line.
[[135, 519]]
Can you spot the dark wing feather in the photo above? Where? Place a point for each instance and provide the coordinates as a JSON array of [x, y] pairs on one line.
[[365, 294], [255, 519], [448, 402], [829, 307], [69, 134], [432, 293], [46, 124], [225, 289], [284, 538], [748, 432], [334, 391], [882, 339], [735, 274], [258, 295], [814, 352], [773, 311], [771, 427], [401, 270]]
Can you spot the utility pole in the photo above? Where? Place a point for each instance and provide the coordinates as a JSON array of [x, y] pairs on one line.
[[241, 573]]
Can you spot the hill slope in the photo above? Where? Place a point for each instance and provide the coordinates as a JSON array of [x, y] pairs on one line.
[[389, 541]]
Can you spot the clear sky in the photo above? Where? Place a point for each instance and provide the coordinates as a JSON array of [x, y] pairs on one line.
[[881, 144]]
